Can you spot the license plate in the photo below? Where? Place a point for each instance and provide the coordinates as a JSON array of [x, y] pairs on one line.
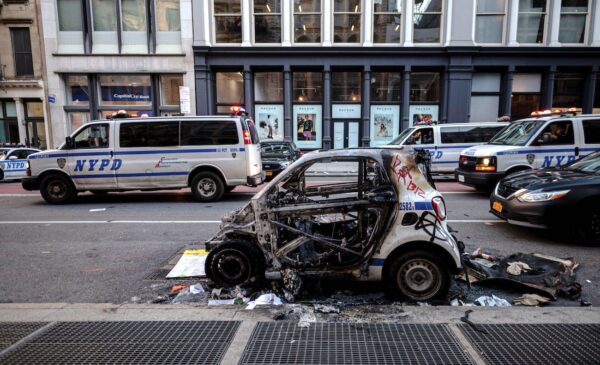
[[497, 207], [269, 173], [461, 178]]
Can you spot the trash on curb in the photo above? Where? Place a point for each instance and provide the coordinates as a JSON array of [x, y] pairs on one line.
[[177, 288], [322, 308], [531, 300], [492, 301], [197, 289], [265, 299]]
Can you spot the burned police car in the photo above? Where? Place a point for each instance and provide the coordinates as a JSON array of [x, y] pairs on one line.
[[567, 197], [383, 223]]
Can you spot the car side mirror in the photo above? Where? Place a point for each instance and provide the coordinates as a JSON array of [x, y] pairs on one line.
[[70, 143]]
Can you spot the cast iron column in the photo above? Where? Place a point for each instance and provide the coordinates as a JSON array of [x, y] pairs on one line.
[[287, 104], [404, 121], [548, 92], [248, 91], [589, 92], [507, 92], [326, 108], [366, 131]]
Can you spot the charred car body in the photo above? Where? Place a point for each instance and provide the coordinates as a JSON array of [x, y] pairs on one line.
[[386, 223]]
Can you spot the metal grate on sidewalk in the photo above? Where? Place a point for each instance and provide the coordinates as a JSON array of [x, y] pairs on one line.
[[543, 344], [11, 332], [197, 342], [352, 343]]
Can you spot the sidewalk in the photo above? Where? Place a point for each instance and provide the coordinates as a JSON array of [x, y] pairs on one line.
[[61, 333]]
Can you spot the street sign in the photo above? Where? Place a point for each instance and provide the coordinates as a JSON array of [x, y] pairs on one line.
[[184, 100], [52, 99]]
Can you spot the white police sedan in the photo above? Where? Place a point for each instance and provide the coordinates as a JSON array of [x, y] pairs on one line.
[[13, 161]]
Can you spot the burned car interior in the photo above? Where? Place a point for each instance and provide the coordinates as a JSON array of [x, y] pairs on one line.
[[321, 224]]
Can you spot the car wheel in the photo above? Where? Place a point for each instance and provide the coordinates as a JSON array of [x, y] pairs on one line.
[[587, 226], [234, 263], [99, 192], [207, 187], [57, 189], [419, 276]]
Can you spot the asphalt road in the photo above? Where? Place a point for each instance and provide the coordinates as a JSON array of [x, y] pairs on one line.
[[100, 249]]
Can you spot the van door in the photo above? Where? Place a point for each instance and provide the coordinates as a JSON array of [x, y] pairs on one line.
[[252, 146], [91, 162], [453, 140], [591, 136], [554, 146]]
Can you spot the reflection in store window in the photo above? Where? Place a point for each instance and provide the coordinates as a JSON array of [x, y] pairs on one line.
[[228, 21], [427, 20], [169, 89], [307, 21], [134, 37], [105, 39], [125, 90], [307, 87], [77, 90], [346, 21], [386, 21], [531, 22], [168, 26], [267, 21], [573, 16]]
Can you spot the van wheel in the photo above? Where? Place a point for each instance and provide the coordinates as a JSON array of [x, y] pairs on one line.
[[57, 189], [419, 276], [234, 263], [207, 187]]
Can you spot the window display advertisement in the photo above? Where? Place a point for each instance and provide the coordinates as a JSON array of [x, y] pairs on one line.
[[269, 119], [307, 126], [423, 114], [385, 124]]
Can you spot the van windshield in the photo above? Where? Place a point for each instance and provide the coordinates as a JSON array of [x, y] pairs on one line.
[[518, 133], [401, 136]]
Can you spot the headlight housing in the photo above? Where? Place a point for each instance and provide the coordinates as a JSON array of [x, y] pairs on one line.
[[487, 164], [541, 196]]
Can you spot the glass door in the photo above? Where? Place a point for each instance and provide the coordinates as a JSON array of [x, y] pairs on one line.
[[346, 134]]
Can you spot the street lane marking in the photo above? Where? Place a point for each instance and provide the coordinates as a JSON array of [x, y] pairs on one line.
[[198, 222]]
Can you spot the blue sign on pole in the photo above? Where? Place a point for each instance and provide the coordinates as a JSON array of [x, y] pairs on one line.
[[51, 99]]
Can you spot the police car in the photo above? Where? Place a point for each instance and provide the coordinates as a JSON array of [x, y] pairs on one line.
[[13, 161], [445, 141], [209, 154], [550, 138]]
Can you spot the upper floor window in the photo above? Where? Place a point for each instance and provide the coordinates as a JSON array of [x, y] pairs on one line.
[[427, 19], [346, 21], [23, 59], [267, 21], [307, 21], [386, 21], [168, 26], [70, 26], [489, 23], [573, 17], [228, 21], [532, 21]]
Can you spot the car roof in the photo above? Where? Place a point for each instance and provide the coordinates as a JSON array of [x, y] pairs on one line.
[[162, 119], [446, 125]]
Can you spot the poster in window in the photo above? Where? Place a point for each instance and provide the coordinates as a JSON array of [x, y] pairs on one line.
[[269, 122], [307, 126], [385, 124], [423, 114]]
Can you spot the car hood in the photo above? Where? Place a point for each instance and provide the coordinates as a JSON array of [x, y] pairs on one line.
[[273, 158], [486, 150], [550, 179]]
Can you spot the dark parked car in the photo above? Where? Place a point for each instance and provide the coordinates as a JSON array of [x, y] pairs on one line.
[[566, 199], [277, 156]]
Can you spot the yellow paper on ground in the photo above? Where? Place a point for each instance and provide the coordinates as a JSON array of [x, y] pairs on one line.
[[190, 264]]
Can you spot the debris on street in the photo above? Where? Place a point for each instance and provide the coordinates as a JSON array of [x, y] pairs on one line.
[[177, 288], [492, 301], [265, 299], [191, 264], [531, 300], [516, 268]]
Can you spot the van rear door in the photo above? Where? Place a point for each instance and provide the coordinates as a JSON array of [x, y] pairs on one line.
[[252, 146]]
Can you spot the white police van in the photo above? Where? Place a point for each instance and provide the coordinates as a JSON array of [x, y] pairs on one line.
[[209, 154], [549, 139], [446, 141], [13, 161]]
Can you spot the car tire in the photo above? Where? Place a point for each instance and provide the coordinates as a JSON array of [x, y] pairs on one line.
[[234, 263], [419, 276], [57, 189], [207, 187], [587, 226]]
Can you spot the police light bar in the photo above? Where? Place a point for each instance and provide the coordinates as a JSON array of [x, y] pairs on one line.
[[555, 111], [237, 110]]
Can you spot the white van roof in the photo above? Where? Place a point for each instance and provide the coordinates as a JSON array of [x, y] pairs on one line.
[[161, 119], [448, 125]]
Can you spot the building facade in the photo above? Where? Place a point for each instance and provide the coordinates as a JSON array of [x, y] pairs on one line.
[[22, 103], [108, 55], [345, 73]]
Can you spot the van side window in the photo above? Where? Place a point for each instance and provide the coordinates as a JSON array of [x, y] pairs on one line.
[[556, 133], [421, 136], [209, 133], [472, 134], [591, 131], [163, 134], [93, 136], [133, 135]]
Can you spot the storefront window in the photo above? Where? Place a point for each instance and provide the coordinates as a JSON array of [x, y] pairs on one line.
[[386, 21], [531, 23], [228, 21], [424, 87], [525, 95], [307, 87], [573, 16], [386, 86], [125, 90], [489, 23], [427, 20], [77, 90], [77, 119], [169, 89], [346, 86], [346, 21], [267, 21], [268, 87], [307, 21], [36, 131], [9, 129], [134, 38], [485, 97], [104, 16], [568, 91], [168, 26], [230, 90], [70, 26]]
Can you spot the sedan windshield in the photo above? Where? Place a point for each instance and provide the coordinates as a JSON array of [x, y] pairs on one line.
[[401, 136], [275, 149], [517, 134], [590, 163]]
